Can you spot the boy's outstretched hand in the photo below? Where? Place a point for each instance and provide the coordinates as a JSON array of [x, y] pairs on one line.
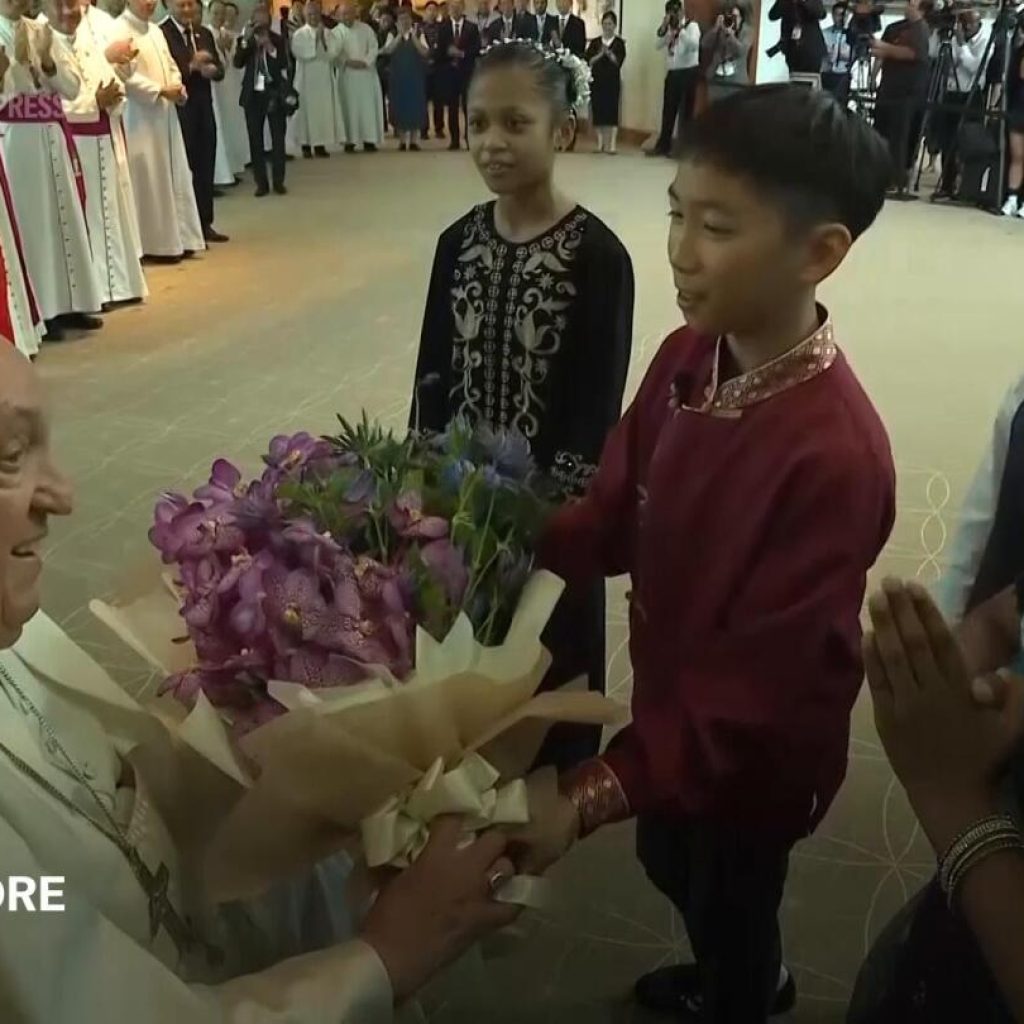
[[947, 735], [551, 833]]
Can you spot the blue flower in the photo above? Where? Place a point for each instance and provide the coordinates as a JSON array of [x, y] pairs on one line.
[[508, 451], [454, 473]]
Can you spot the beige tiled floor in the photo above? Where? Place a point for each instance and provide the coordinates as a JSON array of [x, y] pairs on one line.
[[314, 308]]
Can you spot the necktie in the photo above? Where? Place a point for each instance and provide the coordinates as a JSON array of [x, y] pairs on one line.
[[191, 38]]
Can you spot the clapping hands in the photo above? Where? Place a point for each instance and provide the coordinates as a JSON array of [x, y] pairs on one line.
[[948, 735], [22, 50], [108, 95]]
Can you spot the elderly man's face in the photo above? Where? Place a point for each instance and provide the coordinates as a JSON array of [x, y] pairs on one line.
[[31, 490], [185, 11], [64, 15]]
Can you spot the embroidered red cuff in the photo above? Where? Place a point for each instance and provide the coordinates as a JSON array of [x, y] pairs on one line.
[[596, 793]]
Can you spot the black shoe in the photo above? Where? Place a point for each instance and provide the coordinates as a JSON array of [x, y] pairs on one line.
[[369, 147], [676, 991], [440, 134], [161, 260], [218, 193], [414, 147], [402, 148], [213, 235], [454, 147], [54, 331], [350, 148], [424, 135], [321, 151], [261, 191], [280, 190], [657, 151], [81, 321], [307, 153]]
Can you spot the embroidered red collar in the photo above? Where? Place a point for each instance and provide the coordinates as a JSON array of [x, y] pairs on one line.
[[803, 362]]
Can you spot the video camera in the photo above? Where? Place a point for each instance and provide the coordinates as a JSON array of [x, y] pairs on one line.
[[945, 15], [674, 13]]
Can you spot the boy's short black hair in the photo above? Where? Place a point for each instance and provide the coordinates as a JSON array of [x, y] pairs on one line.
[[802, 150]]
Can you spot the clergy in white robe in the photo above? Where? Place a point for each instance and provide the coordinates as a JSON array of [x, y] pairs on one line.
[[161, 178], [44, 176], [361, 98], [318, 121], [20, 322], [227, 92], [92, 793], [93, 116], [99, 31]]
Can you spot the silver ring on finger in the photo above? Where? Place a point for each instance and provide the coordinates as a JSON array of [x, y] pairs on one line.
[[496, 879]]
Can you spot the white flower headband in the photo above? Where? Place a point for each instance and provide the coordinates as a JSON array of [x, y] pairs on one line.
[[577, 69]]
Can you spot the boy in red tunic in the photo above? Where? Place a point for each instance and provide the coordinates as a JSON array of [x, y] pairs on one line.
[[747, 492]]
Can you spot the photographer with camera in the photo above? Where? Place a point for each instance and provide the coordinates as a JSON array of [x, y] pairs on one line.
[[724, 52], [679, 34], [801, 39], [266, 89], [969, 37], [835, 72], [902, 53]]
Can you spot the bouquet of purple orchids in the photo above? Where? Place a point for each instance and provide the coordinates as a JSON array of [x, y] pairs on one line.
[[320, 571]]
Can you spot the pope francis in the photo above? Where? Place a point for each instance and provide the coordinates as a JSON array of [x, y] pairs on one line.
[[135, 942]]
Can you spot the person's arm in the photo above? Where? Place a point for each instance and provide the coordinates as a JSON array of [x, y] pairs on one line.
[[778, 10], [619, 49], [243, 47], [58, 73], [988, 548], [814, 10], [689, 39], [969, 55], [303, 46], [731, 48], [598, 365], [782, 676], [432, 382], [217, 75], [663, 40], [140, 87], [949, 753]]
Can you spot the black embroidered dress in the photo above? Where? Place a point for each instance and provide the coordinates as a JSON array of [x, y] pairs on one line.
[[535, 336]]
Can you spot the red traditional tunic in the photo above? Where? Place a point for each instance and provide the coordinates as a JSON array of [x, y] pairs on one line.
[[748, 514]]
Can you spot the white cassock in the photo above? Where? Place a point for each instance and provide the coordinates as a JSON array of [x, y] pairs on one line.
[[22, 323], [231, 132], [99, 29], [318, 121], [96, 962], [48, 205], [109, 217], [361, 98], [166, 204]]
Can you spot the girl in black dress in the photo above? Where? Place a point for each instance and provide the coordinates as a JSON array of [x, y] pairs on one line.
[[529, 317], [606, 56]]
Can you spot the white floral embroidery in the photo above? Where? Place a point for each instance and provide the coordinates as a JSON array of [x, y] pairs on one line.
[[509, 320], [572, 472]]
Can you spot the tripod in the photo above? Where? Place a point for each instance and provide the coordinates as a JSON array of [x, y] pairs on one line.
[[935, 97]]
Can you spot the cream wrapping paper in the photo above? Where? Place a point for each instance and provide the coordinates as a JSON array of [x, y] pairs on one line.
[[378, 760]]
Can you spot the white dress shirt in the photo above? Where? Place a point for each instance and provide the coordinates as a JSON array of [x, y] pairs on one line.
[[683, 47], [967, 60]]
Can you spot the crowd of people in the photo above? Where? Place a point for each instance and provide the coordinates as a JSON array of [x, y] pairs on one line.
[[134, 127], [747, 648]]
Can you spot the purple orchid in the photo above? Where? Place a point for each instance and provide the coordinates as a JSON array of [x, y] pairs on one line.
[[225, 485], [408, 520], [448, 566], [290, 454]]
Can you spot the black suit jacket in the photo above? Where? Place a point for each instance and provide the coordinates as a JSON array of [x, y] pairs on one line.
[[809, 51], [496, 31], [468, 42], [574, 38], [200, 89], [526, 27], [247, 55]]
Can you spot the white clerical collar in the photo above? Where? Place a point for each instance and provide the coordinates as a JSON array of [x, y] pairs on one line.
[[134, 19]]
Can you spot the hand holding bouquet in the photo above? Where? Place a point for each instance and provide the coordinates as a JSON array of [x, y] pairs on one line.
[[363, 643]]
